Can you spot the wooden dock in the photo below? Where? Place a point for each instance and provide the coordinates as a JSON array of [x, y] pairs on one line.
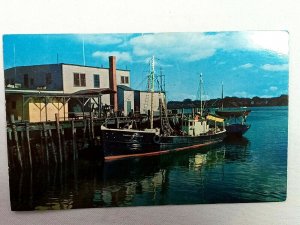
[[54, 141], [59, 141]]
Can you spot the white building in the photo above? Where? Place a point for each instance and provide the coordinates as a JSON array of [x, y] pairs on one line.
[[69, 79]]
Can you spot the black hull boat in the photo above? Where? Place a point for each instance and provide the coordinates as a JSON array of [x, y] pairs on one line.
[[237, 129], [235, 120], [122, 143], [195, 132]]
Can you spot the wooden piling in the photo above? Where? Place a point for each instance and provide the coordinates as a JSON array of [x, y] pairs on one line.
[[92, 128], [89, 127], [74, 140], [52, 146], [117, 121], [84, 128], [63, 141], [16, 139], [28, 144], [46, 142], [58, 136], [42, 147], [9, 135], [22, 147]]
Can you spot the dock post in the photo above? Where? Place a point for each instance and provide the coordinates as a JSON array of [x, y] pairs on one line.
[[89, 127], [92, 127], [117, 123], [46, 142], [63, 141], [58, 135], [16, 139], [74, 140], [28, 144], [84, 128], [22, 147], [42, 146], [52, 146]]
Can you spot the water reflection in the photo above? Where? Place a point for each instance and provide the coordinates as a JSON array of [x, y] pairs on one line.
[[138, 181]]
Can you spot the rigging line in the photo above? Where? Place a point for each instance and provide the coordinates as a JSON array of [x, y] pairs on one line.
[[140, 84], [143, 77]]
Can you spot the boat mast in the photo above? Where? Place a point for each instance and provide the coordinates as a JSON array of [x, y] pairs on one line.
[[151, 89], [201, 108], [222, 95]]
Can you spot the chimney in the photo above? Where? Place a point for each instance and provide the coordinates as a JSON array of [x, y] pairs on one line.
[[113, 82]]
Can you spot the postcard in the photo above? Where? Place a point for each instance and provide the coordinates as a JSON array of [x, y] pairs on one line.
[[146, 119]]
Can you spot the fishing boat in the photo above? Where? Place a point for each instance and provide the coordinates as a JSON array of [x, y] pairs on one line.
[[235, 119], [128, 142]]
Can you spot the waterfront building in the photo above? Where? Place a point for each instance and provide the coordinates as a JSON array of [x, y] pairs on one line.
[[112, 85]]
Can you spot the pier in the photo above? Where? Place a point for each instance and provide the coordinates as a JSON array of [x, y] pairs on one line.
[[49, 142]]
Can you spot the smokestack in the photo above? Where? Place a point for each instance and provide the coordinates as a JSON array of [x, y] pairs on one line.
[[113, 82]]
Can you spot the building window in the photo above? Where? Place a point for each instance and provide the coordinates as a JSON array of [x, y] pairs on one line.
[[31, 81], [82, 80], [26, 80], [76, 80], [48, 78], [124, 80], [96, 81], [79, 80]]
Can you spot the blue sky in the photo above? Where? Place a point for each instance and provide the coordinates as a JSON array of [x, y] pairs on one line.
[[252, 63]]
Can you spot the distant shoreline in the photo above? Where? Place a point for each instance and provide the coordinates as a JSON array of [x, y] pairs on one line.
[[231, 102]]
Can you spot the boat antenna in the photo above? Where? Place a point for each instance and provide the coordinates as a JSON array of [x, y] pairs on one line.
[[201, 108], [151, 89], [15, 68], [222, 95], [83, 51]]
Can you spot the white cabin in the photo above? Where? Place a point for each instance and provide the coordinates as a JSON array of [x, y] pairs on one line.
[[195, 126]]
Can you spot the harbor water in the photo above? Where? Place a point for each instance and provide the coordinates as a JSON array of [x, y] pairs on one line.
[[248, 169]]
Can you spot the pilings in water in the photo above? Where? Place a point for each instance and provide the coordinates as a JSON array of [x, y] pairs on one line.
[[16, 139], [54, 142]]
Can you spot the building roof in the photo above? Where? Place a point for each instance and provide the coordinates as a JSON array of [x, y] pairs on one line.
[[30, 91], [101, 91], [68, 64], [124, 87]]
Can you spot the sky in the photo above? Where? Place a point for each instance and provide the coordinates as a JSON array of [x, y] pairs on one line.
[[248, 63]]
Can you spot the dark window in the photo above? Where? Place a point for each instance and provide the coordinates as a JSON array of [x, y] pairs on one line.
[[82, 80], [76, 80], [31, 81], [48, 78], [96, 81], [26, 80], [13, 105], [79, 80], [124, 80]]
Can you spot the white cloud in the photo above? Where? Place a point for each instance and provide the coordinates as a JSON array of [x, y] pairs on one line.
[[275, 67], [276, 41], [120, 56], [246, 66], [101, 39], [197, 46], [187, 46], [273, 88]]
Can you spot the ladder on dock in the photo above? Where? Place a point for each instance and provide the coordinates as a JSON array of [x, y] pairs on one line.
[[167, 130], [146, 107]]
